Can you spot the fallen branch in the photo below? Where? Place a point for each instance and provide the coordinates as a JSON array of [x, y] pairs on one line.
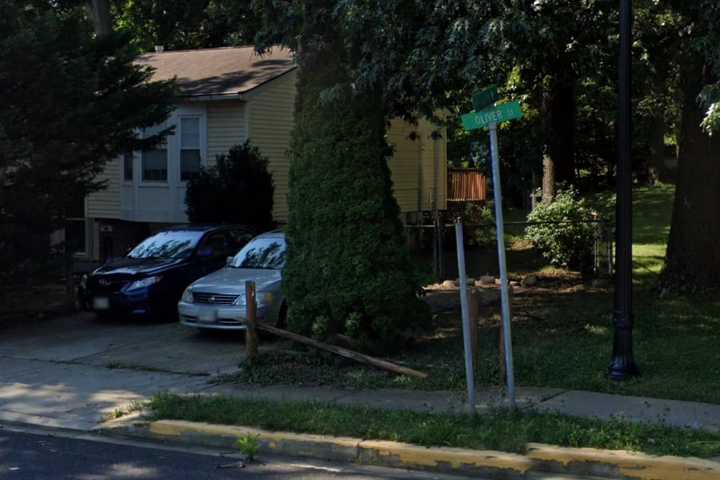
[[343, 352]]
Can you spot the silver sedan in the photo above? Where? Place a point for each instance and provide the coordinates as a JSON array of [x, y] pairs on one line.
[[217, 301]]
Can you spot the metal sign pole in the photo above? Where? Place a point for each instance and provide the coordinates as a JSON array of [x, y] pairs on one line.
[[504, 287], [465, 307]]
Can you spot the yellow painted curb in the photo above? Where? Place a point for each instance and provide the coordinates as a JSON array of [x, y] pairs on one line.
[[178, 428], [630, 464], [621, 463], [413, 455]]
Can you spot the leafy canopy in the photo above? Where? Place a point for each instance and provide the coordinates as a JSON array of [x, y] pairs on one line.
[[186, 24]]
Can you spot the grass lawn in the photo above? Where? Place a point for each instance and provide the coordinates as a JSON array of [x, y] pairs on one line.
[[562, 334], [503, 430]]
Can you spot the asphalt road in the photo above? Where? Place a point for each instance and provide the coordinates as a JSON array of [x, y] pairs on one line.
[[39, 455]]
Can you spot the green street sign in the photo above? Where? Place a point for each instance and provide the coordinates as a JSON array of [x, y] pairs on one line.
[[484, 99], [498, 114]]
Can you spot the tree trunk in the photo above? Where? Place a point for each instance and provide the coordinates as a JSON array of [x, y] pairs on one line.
[[563, 115], [548, 180], [658, 126], [656, 140], [693, 256], [101, 17]]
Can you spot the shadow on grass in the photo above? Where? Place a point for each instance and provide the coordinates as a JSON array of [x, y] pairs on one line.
[[562, 330]]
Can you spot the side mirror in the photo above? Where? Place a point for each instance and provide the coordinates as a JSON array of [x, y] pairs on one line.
[[228, 260], [205, 252]]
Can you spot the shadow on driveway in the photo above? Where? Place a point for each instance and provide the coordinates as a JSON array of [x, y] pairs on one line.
[[72, 371]]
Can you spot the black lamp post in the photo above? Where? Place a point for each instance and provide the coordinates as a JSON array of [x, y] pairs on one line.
[[622, 365]]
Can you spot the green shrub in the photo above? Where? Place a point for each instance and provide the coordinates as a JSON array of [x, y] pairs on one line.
[[566, 240], [349, 270], [238, 189]]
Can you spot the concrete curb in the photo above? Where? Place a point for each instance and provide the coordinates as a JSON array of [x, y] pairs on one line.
[[485, 463]]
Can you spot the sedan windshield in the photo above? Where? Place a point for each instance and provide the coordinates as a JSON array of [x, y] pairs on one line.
[[173, 244], [264, 253]]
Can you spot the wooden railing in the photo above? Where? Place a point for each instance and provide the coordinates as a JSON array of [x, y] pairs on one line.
[[466, 185]]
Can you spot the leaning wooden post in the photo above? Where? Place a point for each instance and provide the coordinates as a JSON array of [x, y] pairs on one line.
[[251, 340]]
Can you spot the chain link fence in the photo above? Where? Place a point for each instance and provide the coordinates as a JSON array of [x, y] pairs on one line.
[[433, 244]]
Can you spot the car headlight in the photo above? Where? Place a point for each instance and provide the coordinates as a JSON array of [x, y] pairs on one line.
[[187, 296], [143, 283], [264, 298]]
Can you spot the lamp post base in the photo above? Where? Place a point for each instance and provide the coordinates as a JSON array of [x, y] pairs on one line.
[[623, 366]]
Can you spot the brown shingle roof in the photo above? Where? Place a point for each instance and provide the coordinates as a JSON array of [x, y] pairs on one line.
[[219, 71]]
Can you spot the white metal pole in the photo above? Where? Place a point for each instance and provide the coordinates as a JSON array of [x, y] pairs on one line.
[[504, 287], [465, 308]]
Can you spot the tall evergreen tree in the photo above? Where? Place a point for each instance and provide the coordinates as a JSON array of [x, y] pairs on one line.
[[348, 270], [71, 103]]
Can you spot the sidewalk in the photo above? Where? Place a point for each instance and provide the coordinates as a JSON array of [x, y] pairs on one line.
[[78, 396], [674, 413]]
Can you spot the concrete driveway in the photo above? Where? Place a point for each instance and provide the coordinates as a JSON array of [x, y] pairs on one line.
[[73, 371]]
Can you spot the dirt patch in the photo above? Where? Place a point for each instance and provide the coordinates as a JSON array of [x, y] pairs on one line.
[[21, 305]]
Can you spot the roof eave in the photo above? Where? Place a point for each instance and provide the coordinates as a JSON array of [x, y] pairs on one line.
[[215, 97]]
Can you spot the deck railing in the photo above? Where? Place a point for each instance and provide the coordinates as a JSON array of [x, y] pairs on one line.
[[466, 185]]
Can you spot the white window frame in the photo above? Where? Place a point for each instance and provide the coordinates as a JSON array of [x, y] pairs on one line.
[[167, 141], [169, 194], [202, 142], [133, 156]]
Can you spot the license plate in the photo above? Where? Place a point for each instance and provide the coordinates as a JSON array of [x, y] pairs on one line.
[[206, 316], [101, 303]]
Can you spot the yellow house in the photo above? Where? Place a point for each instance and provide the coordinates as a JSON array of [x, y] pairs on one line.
[[229, 95]]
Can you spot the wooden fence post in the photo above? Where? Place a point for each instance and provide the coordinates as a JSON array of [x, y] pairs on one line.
[[251, 339]]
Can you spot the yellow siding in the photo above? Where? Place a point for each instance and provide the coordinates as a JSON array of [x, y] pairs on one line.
[[106, 203], [271, 118], [267, 118], [407, 172], [413, 165], [226, 127], [426, 129]]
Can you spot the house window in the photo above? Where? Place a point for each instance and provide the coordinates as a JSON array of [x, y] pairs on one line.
[[190, 159], [128, 166], [154, 164]]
